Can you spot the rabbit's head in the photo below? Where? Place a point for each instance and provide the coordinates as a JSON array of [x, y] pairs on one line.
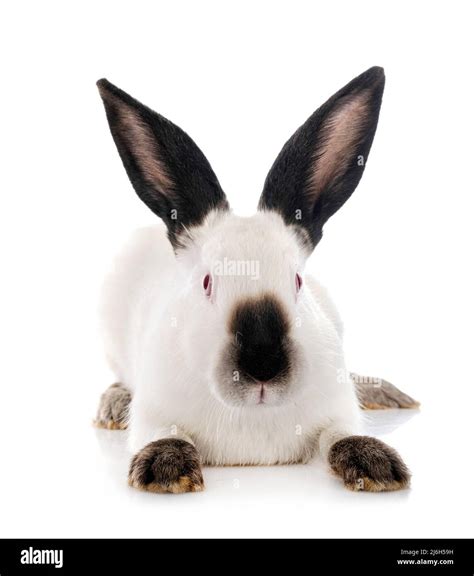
[[250, 319]]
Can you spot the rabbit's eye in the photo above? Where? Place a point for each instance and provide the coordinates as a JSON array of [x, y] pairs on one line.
[[207, 284], [299, 282]]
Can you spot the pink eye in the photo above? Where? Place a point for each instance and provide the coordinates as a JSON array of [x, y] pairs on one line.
[[207, 284], [299, 282]]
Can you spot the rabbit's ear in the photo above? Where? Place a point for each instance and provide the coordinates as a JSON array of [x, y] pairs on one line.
[[322, 163], [167, 169]]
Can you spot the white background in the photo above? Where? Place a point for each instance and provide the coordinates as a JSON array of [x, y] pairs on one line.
[[239, 77]]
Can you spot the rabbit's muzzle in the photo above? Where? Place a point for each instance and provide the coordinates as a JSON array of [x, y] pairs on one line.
[[256, 364], [260, 330]]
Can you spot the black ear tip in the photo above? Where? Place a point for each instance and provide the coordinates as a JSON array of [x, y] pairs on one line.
[[376, 70], [102, 85], [372, 79], [105, 87], [376, 74]]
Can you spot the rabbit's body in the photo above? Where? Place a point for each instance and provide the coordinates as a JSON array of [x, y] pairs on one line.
[[154, 352], [229, 353]]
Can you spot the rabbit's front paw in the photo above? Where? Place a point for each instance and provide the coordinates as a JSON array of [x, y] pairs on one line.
[[365, 463], [167, 465], [113, 408]]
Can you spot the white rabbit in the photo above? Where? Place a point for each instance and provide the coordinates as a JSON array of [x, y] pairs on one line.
[[229, 353]]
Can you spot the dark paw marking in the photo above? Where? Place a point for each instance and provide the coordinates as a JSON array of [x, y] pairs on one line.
[[113, 408], [168, 465], [365, 463]]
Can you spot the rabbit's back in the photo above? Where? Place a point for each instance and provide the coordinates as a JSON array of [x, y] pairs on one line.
[[139, 274]]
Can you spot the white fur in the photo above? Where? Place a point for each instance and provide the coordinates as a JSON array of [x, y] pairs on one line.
[[163, 339]]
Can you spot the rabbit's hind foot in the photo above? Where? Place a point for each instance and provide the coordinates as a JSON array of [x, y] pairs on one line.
[[113, 408]]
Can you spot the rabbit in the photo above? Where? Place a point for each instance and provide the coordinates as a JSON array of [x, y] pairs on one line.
[[224, 350]]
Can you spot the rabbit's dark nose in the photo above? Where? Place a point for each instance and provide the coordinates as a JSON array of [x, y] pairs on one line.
[[260, 327]]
